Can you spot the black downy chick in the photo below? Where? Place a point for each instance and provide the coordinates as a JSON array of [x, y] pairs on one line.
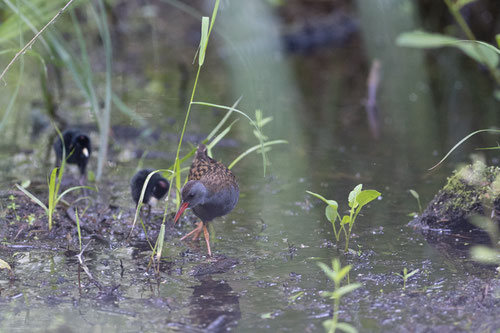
[[77, 148], [157, 188]]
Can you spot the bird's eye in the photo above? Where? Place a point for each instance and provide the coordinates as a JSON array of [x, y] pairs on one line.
[[190, 195]]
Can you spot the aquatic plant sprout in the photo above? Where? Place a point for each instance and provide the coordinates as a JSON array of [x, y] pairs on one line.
[[337, 274], [357, 199], [405, 275]]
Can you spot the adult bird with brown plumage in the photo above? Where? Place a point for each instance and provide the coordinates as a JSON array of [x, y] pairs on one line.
[[157, 188], [211, 191], [77, 147]]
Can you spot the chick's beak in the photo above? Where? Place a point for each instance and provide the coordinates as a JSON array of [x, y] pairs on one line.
[[85, 152], [180, 211]]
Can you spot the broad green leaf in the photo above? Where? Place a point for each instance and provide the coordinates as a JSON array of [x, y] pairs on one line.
[[483, 53], [4, 264], [366, 196], [204, 40], [485, 255], [345, 290], [487, 225], [348, 328], [330, 325], [331, 212], [353, 194]]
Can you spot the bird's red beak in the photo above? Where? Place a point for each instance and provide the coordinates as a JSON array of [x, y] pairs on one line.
[[180, 211]]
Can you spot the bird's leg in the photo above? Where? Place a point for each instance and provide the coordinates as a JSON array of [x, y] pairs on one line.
[[196, 231], [207, 239], [149, 211]]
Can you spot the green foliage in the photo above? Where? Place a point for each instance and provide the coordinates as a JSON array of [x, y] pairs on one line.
[[337, 273], [417, 197], [462, 141], [481, 52], [356, 200], [484, 254], [405, 275]]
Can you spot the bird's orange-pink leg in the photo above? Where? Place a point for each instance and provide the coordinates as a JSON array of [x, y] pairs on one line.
[[196, 231], [207, 239]]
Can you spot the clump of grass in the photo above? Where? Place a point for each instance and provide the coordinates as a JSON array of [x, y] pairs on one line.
[[357, 199], [405, 275], [337, 273]]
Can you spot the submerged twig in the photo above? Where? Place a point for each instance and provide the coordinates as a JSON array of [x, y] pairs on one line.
[[32, 41], [82, 264]]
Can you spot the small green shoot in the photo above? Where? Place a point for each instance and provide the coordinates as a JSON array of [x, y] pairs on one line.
[[417, 197], [357, 199], [405, 275], [13, 206], [337, 274], [294, 297], [78, 229]]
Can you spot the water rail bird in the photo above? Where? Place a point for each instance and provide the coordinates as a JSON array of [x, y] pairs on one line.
[[211, 191]]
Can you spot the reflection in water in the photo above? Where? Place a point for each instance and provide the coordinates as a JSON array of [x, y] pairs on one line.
[[214, 305]]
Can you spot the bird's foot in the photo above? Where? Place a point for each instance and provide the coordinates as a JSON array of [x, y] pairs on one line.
[[197, 231]]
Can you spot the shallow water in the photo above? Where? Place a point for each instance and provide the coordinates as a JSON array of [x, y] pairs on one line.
[[264, 275]]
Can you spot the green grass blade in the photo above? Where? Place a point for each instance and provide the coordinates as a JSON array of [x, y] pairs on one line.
[[264, 161], [254, 148], [462, 141], [220, 136], [32, 197], [203, 40], [161, 239], [139, 205], [59, 197], [78, 228], [224, 119]]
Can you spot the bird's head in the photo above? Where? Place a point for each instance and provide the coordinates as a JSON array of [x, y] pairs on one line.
[[160, 188], [82, 144], [193, 194]]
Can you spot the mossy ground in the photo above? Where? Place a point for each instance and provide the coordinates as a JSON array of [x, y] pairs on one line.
[[472, 190]]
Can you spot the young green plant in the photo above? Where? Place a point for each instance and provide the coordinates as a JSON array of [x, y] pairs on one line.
[[356, 200], [405, 275], [337, 273]]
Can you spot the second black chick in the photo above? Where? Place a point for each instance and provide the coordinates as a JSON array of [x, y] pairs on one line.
[[156, 189], [77, 147]]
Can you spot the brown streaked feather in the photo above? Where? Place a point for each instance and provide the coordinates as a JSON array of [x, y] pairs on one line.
[[214, 175]]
